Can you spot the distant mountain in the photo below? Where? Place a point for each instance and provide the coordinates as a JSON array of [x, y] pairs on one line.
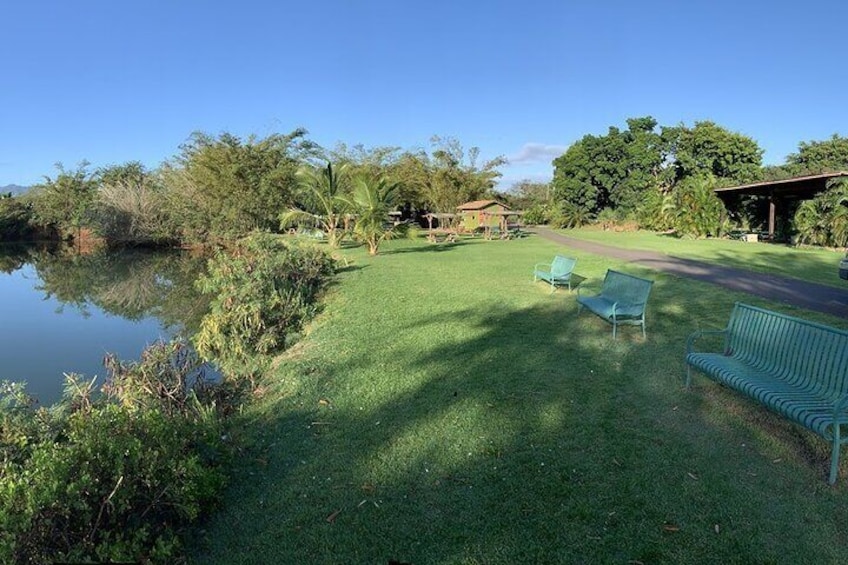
[[15, 189]]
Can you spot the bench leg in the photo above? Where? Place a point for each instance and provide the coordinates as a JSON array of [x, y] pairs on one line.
[[614, 325], [834, 456]]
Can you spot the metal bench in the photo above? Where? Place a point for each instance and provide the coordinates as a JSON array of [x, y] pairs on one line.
[[796, 368], [557, 272], [622, 300]]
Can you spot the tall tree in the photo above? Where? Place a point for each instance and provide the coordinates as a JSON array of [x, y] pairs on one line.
[[323, 200], [456, 176], [707, 148], [371, 201], [613, 170], [224, 187], [815, 157]]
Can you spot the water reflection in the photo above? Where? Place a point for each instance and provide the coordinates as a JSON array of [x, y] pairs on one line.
[[64, 312]]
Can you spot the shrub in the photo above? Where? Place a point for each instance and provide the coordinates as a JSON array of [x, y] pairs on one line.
[[17, 220], [698, 212], [262, 291], [537, 214], [115, 477], [823, 220]]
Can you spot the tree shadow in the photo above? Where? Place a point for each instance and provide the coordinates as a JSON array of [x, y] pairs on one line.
[[429, 248], [536, 439]]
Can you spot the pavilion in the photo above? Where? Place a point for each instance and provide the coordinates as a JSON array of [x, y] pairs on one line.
[[781, 192]]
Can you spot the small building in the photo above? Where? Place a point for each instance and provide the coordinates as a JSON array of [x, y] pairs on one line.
[[479, 213]]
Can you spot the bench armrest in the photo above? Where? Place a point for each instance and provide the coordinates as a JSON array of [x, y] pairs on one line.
[[690, 342], [546, 265]]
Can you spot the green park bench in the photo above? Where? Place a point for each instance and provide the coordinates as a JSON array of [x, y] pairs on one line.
[[557, 272], [796, 368], [622, 300]]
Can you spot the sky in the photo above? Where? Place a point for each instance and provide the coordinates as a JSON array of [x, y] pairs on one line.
[[112, 81]]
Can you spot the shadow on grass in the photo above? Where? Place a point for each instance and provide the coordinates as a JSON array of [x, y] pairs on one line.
[[428, 248], [535, 438]]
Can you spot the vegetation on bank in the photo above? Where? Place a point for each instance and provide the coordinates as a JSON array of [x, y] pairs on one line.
[[446, 409], [119, 474], [262, 290], [115, 477]]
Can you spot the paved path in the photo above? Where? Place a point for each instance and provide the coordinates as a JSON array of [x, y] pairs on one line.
[[817, 297]]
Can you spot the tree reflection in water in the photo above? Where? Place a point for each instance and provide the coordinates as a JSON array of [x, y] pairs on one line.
[[63, 312]]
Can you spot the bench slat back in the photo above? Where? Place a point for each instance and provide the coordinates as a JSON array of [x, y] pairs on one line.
[[797, 350], [562, 266], [621, 287]]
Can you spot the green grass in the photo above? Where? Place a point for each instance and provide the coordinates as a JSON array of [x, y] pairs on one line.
[[445, 409], [807, 263]]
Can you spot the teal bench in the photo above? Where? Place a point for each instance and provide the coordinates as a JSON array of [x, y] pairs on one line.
[[796, 368], [622, 300], [557, 272]]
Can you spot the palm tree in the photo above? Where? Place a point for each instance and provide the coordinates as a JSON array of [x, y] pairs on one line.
[[371, 201], [325, 201]]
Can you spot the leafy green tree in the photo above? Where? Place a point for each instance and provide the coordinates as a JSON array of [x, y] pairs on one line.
[[323, 196], [815, 157], [224, 187], [456, 176], [706, 148], [17, 220], [610, 171], [371, 201], [67, 201], [411, 173], [437, 181]]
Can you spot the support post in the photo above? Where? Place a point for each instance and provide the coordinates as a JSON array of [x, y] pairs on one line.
[[772, 209]]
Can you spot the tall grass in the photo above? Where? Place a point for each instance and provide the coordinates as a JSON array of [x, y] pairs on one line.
[[445, 409]]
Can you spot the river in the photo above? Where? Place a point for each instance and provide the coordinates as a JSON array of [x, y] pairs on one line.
[[62, 313]]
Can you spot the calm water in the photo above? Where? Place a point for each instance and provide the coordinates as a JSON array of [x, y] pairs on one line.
[[63, 314]]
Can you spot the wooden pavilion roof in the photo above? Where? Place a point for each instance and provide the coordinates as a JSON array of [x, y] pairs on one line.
[[798, 187], [480, 204]]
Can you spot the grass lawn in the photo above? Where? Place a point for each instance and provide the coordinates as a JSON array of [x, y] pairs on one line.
[[445, 409], [811, 264]]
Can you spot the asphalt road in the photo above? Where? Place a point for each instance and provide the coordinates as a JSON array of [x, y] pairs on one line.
[[811, 296]]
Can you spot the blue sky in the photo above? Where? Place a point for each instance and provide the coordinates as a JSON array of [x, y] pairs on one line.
[[120, 80]]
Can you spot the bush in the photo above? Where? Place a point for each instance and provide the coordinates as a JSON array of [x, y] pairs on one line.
[[537, 214], [698, 212], [112, 478], [17, 220], [263, 289]]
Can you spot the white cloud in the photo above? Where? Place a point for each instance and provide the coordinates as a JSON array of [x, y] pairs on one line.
[[507, 182], [536, 153]]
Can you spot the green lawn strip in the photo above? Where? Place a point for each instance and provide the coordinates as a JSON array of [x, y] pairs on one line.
[[810, 264], [445, 409]]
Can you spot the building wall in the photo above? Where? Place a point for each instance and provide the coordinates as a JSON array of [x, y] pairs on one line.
[[473, 219]]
